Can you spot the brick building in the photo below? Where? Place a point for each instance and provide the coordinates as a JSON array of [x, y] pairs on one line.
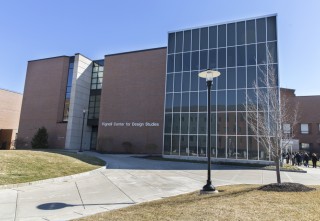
[[10, 107], [152, 101], [307, 131], [122, 96]]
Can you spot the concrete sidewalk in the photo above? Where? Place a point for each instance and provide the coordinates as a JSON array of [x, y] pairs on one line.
[[127, 181]]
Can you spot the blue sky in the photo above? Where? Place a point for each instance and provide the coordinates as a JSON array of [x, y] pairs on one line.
[[34, 29]]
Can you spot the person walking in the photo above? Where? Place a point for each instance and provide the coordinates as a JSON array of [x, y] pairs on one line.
[[294, 159], [314, 159], [306, 159], [290, 158], [287, 157], [298, 158]]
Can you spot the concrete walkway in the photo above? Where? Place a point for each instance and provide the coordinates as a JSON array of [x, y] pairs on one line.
[[127, 181]]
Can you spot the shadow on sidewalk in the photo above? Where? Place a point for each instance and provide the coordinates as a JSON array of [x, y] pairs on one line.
[[57, 205]]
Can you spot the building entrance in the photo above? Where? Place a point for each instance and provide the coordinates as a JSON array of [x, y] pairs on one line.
[[5, 139], [94, 136]]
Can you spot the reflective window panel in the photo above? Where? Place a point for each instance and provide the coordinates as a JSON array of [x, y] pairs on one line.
[[240, 52]]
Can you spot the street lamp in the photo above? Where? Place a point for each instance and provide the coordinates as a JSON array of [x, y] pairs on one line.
[[209, 75], [83, 117]]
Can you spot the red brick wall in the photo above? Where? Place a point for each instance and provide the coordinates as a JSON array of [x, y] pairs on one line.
[[133, 91], [10, 107], [309, 113], [43, 100]]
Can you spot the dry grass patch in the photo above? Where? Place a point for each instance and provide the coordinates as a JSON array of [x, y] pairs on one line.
[[285, 167], [20, 166], [240, 202]]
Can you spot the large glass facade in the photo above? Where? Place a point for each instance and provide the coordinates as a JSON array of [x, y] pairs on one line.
[[238, 50]]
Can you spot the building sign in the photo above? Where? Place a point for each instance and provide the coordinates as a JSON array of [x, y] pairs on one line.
[[130, 124]]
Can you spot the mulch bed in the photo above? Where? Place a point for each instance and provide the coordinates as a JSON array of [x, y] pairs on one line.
[[286, 187]]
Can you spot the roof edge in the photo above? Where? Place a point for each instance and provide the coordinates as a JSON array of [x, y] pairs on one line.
[[3, 89], [49, 58], [129, 52], [224, 23], [289, 89], [83, 56]]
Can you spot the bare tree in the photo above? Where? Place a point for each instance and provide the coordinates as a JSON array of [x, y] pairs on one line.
[[267, 117]]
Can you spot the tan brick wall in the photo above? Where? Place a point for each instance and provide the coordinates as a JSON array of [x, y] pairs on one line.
[[10, 107], [43, 100], [133, 91]]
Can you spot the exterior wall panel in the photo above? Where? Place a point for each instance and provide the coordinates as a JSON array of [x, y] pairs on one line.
[[132, 92], [10, 107], [79, 101], [43, 100]]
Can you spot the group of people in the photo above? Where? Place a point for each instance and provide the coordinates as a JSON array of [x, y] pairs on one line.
[[297, 158]]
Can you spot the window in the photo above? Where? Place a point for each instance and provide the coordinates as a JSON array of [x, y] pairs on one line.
[[286, 128], [97, 76], [304, 129], [94, 107], [239, 52], [305, 146], [68, 90]]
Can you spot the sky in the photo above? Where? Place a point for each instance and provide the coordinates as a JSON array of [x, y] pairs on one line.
[[35, 29]]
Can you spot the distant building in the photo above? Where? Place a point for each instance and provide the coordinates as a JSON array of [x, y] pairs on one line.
[[10, 107], [307, 131]]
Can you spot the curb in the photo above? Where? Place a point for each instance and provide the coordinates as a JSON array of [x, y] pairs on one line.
[[295, 171]]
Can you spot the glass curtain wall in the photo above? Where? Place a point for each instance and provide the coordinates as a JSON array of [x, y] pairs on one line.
[[238, 51], [94, 100], [68, 90], [96, 86]]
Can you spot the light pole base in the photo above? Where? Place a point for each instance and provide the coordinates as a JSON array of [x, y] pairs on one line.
[[208, 189], [208, 192]]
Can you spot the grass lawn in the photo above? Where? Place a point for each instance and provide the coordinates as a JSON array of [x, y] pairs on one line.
[[239, 202], [20, 166], [285, 167]]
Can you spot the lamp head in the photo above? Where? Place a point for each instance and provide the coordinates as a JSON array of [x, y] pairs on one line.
[[209, 74]]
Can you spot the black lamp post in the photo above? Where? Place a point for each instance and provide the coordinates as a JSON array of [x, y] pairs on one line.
[[83, 117], [209, 75]]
